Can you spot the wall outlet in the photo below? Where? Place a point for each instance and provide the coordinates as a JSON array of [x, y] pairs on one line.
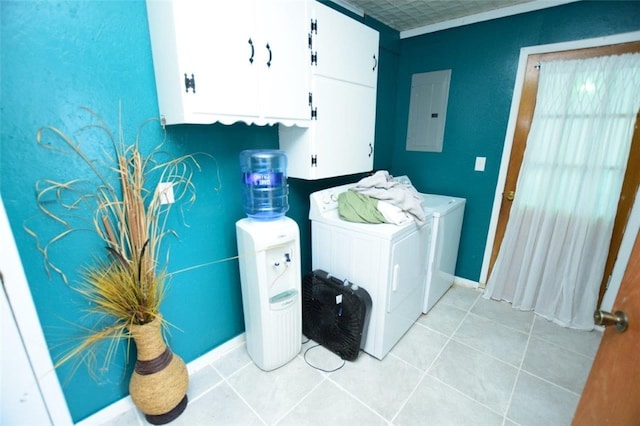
[[480, 163], [165, 192]]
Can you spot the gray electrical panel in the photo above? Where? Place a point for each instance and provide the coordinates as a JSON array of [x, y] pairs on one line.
[[428, 110]]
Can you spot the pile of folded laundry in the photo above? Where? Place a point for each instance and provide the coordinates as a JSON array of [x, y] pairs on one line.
[[381, 199]]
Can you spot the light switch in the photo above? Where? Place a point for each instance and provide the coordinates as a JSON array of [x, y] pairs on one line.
[[480, 163]]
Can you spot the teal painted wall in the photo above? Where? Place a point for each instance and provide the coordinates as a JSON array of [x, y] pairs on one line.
[[483, 58], [58, 56]]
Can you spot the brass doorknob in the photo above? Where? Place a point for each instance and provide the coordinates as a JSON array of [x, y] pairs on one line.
[[619, 319], [511, 195]]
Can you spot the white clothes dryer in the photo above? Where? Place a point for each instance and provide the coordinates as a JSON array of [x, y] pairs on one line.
[[447, 214], [389, 261], [446, 227]]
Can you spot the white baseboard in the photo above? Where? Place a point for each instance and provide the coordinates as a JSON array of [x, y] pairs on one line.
[[463, 282], [107, 414], [216, 353]]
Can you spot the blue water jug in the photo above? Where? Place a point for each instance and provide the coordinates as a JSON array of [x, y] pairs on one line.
[[265, 193]]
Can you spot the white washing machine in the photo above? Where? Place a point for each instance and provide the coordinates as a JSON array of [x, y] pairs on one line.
[[447, 213], [389, 261]]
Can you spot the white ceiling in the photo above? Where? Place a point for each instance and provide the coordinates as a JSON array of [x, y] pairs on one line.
[[413, 17]]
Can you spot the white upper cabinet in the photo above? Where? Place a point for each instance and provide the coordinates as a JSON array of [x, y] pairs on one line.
[[343, 48], [340, 138], [340, 141], [228, 61]]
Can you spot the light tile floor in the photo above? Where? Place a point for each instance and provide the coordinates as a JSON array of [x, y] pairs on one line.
[[469, 361]]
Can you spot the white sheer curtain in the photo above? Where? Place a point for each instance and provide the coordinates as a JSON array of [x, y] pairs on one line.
[[555, 246]]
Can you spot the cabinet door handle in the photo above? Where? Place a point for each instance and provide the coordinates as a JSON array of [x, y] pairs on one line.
[[270, 55], [375, 63], [370, 150], [252, 51]]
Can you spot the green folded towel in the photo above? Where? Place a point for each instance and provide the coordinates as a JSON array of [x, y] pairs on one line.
[[356, 207]]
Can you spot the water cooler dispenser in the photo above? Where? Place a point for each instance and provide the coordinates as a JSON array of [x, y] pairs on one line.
[[269, 258]]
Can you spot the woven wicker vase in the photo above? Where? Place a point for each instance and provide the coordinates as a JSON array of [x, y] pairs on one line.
[[159, 382]]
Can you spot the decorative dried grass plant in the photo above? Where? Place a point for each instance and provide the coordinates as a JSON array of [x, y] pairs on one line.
[[126, 285]]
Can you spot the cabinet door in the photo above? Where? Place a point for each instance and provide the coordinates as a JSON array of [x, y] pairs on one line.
[[340, 141], [219, 43], [202, 57], [283, 59], [355, 60], [345, 127]]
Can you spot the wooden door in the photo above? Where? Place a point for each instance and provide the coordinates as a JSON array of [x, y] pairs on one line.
[[612, 393], [523, 124]]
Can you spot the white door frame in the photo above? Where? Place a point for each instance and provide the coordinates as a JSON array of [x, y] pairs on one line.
[[26, 318], [513, 116]]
